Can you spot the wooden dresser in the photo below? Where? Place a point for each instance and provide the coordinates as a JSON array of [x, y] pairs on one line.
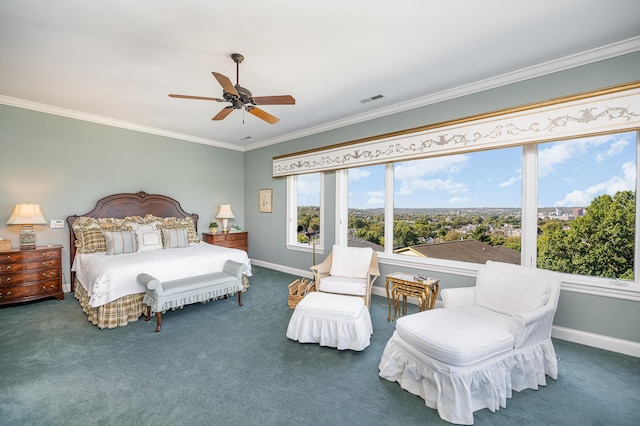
[[30, 274], [237, 240]]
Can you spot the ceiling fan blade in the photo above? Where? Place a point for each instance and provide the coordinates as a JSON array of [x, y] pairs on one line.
[[274, 100], [223, 113], [202, 98], [271, 119], [226, 84]]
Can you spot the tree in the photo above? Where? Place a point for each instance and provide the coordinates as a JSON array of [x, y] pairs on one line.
[[600, 243]]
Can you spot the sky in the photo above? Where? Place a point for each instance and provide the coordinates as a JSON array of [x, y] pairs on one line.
[[570, 174]]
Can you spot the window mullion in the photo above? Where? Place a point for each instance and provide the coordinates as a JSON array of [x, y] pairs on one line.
[[388, 209], [529, 205]]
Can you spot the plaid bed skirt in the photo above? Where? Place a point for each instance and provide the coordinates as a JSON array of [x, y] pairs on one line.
[[114, 314]]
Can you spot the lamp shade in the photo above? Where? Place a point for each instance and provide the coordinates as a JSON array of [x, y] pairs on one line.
[[26, 214], [225, 212]]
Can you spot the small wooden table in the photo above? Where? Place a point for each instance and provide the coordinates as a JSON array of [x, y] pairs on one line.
[[402, 284]]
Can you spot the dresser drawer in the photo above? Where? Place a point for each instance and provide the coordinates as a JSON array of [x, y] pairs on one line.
[[28, 276], [26, 266], [28, 255], [25, 292], [237, 240]]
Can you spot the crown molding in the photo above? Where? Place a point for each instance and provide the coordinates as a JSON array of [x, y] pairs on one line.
[[583, 58], [77, 115]]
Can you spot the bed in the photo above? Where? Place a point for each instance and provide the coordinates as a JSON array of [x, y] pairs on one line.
[[106, 257]]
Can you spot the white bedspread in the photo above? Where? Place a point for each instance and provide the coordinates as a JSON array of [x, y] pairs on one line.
[[107, 278]]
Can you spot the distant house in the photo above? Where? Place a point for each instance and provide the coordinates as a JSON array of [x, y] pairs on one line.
[[464, 251]]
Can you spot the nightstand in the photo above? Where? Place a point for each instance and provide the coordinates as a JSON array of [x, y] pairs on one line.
[[237, 240], [30, 274]]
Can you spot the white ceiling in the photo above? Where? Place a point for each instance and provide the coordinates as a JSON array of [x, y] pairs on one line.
[[116, 61]]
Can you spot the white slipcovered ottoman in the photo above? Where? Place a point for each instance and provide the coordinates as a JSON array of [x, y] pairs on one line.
[[341, 322]]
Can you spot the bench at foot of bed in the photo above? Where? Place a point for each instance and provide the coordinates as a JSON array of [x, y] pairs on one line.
[[161, 296]]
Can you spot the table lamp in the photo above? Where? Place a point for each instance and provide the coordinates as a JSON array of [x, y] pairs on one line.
[[225, 214], [27, 215]]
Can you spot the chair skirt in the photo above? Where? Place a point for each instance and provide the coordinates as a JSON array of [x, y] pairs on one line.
[[457, 391]]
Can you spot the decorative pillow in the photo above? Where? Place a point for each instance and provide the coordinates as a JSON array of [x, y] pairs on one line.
[[89, 237], [120, 242], [181, 222], [142, 227], [90, 240], [510, 289], [111, 224], [175, 237], [151, 240], [352, 262]]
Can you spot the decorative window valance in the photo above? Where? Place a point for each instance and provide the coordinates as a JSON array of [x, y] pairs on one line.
[[604, 111]]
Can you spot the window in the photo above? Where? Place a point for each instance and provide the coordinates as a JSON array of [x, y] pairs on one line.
[[464, 207], [586, 199], [366, 203], [304, 215], [577, 214]]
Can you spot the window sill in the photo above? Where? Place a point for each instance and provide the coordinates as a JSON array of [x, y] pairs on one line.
[[572, 283], [308, 248]]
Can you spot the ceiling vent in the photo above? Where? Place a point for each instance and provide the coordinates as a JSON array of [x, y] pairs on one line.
[[373, 98]]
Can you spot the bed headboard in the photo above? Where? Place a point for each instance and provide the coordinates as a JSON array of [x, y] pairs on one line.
[[123, 205]]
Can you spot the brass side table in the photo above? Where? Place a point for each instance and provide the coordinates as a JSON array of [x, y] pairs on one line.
[[401, 284]]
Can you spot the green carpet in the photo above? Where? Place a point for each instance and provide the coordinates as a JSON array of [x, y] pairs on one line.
[[221, 364]]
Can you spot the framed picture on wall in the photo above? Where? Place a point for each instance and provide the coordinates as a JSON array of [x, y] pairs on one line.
[[265, 199]]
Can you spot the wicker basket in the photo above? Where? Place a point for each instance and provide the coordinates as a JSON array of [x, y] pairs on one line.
[[298, 290]]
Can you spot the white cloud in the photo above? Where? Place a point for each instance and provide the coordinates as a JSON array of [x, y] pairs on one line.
[[578, 197], [409, 187], [430, 166], [358, 174], [616, 148], [375, 199], [510, 182], [556, 154], [459, 201]]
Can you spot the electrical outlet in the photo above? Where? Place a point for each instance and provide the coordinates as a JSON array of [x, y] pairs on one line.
[[56, 223]]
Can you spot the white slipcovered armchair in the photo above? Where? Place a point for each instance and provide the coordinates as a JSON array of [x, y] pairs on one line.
[[489, 340], [350, 271]]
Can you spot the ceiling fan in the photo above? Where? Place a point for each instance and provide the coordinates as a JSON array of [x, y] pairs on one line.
[[241, 97]]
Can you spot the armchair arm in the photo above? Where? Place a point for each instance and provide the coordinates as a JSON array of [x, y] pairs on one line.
[[151, 284], [532, 327], [321, 269], [234, 268], [458, 297]]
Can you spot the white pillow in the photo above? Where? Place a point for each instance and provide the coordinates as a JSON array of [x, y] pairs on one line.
[[175, 237], [120, 242], [150, 240], [144, 227], [352, 262], [511, 289]]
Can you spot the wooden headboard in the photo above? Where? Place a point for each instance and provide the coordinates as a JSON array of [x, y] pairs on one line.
[[123, 205]]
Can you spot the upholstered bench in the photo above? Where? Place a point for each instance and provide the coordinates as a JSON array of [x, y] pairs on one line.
[[333, 320], [161, 296]]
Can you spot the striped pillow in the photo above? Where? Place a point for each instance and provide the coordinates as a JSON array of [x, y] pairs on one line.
[[175, 237], [120, 242]]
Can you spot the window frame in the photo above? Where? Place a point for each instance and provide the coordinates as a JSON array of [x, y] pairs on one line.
[[570, 282], [291, 242]]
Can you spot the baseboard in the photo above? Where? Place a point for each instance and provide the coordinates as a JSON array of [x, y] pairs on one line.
[[281, 268], [599, 341]]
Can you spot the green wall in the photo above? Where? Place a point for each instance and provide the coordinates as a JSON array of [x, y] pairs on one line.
[[66, 165], [600, 315]]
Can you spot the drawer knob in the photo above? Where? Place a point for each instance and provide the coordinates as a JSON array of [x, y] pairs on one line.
[[9, 257], [8, 279], [8, 267]]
